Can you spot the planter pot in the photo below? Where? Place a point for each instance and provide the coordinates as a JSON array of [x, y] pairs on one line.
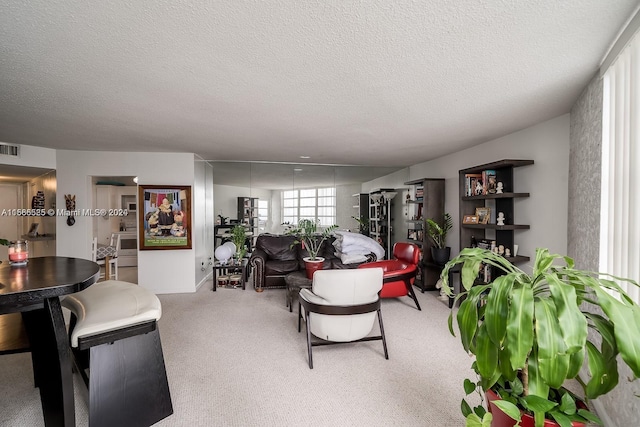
[[440, 255], [313, 265], [500, 419]]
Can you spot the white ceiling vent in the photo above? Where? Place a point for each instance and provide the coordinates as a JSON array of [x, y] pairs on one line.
[[9, 150]]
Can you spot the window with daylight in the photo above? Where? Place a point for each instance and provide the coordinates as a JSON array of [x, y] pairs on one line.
[[263, 214], [311, 203], [620, 198]]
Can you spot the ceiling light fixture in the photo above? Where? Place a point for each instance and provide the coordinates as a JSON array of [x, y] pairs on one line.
[[305, 157]]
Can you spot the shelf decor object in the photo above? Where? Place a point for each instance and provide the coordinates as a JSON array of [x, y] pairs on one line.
[[18, 253], [224, 252]]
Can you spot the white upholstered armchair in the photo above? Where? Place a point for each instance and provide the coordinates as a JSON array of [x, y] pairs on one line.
[[341, 307]]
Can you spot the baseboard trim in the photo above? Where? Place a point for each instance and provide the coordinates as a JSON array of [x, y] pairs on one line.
[[209, 276]]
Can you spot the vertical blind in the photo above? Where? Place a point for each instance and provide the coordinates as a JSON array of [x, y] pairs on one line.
[[620, 180]]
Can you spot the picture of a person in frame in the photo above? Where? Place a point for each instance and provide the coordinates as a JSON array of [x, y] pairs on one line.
[[165, 217], [483, 215]]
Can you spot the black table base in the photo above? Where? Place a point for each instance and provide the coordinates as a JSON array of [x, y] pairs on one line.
[[51, 362]]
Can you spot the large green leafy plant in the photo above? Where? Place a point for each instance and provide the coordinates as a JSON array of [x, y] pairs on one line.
[[529, 334], [307, 234]]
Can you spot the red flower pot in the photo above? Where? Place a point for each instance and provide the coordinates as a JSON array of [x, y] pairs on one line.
[[313, 265], [500, 419]]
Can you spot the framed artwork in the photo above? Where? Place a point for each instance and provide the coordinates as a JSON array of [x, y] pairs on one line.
[[164, 220], [470, 219], [483, 215]]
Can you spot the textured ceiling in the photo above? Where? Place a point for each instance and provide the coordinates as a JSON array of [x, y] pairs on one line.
[[359, 82]]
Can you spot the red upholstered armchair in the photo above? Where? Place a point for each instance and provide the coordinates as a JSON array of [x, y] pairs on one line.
[[400, 272]]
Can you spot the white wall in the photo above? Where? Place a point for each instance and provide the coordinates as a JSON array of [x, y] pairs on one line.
[[547, 144], [202, 223], [394, 180], [345, 210], [35, 157], [161, 271]]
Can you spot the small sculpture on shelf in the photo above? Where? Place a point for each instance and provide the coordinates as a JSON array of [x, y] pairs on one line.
[[507, 253], [479, 188], [500, 219], [499, 188]]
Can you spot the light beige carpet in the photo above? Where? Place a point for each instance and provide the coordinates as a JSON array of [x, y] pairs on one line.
[[235, 358]]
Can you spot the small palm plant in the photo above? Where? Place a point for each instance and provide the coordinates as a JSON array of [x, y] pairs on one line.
[[440, 252], [438, 233]]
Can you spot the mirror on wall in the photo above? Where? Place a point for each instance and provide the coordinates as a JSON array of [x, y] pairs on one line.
[[267, 181], [23, 187]]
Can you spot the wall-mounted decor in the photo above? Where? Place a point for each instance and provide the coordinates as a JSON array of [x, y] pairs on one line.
[[164, 217], [70, 204]]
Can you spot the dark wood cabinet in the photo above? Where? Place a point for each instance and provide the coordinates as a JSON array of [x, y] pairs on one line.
[[498, 202], [426, 202]]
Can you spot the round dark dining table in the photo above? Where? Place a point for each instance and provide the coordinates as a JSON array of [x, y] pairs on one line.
[[34, 290]]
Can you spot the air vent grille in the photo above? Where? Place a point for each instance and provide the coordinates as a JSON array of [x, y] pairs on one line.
[[9, 150]]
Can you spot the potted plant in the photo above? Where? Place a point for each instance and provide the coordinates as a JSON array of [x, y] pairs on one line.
[[239, 237], [307, 234], [438, 234], [363, 225], [528, 333]]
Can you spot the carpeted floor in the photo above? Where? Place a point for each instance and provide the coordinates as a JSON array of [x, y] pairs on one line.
[[235, 358]]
